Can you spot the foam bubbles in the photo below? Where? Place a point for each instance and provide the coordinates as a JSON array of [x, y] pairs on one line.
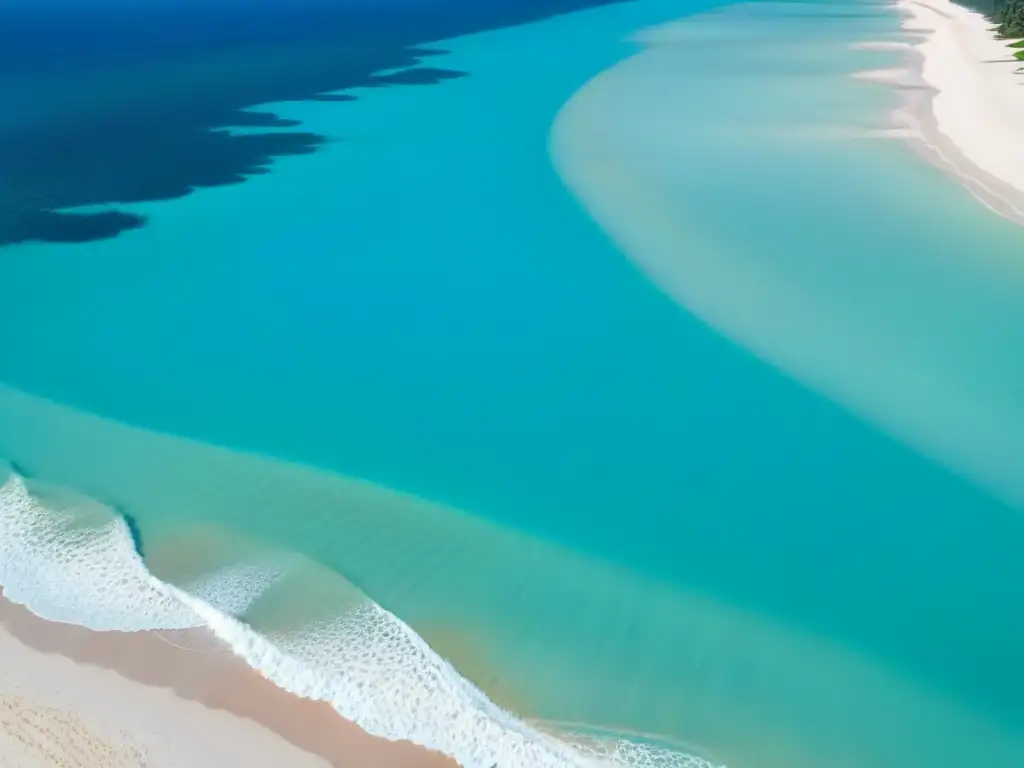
[[71, 559], [234, 588], [374, 670], [636, 755]]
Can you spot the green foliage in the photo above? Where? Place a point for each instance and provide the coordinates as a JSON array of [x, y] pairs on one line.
[[1009, 17]]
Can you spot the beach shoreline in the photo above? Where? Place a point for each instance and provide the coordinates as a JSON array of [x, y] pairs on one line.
[[168, 698], [962, 108]]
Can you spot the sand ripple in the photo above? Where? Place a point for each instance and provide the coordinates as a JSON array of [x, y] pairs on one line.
[[34, 736]]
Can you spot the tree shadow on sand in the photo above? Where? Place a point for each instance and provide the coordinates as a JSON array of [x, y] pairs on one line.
[[122, 106]]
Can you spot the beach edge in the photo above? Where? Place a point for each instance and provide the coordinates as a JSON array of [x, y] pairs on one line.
[[958, 109], [189, 667]]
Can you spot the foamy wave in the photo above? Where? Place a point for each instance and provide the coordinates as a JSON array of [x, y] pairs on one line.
[[233, 589], [71, 559], [629, 753]]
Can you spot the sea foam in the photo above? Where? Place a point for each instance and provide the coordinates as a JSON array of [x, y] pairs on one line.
[[71, 559]]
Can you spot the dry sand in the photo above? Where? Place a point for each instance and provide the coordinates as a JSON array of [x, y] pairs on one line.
[[73, 698], [964, 102]]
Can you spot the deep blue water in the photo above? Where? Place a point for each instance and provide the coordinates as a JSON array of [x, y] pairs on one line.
[[113, 102]]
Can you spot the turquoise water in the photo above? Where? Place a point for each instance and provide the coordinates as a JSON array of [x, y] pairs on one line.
[[759, 512]]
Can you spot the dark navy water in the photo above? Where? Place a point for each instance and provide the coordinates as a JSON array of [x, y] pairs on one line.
[[114, 102]]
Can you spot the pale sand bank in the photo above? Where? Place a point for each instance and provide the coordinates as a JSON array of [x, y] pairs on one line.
[[76, 698], [964, 102], [900, 77], [881, 45]]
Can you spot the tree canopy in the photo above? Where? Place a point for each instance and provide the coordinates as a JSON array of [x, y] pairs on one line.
[[1009, 18]]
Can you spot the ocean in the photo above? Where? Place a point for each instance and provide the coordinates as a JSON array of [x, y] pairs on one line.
[[533, 385]]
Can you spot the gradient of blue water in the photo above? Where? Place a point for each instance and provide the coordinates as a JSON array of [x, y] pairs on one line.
[[423, 305], [406, 309]]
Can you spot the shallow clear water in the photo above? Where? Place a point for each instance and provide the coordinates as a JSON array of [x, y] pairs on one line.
[[699, 417]]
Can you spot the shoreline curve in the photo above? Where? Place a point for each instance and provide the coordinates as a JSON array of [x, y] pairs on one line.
[[963, 104]]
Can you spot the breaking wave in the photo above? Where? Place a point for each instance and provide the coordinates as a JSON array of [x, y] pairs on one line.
[[69, 558]]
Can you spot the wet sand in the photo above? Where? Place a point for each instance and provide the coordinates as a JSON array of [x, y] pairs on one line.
[[70, 696]]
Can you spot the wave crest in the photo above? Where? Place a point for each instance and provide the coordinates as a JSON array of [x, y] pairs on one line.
[[71, 559]]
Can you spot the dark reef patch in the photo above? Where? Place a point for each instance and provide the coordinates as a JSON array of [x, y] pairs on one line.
[[112, 103]]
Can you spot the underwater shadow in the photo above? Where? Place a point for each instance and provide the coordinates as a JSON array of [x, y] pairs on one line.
[[114, 106], [134, 532]]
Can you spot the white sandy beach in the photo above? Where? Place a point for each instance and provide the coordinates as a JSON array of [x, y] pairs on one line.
[[973, 118], [75, 698]]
